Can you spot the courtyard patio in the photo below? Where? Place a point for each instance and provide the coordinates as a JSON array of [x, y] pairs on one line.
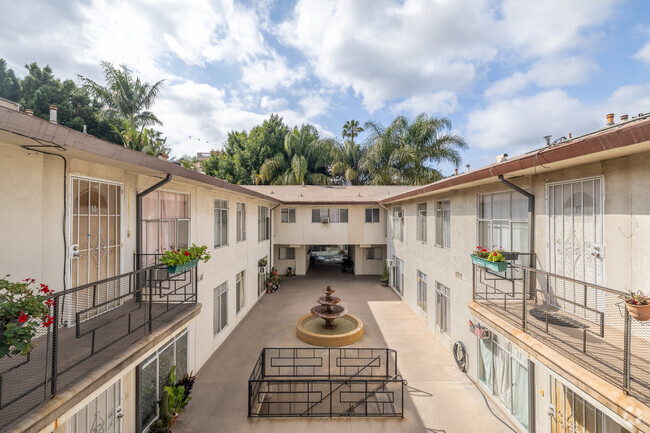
[[438, 398]]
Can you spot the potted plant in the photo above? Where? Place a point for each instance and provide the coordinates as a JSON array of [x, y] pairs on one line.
[[508, 255], [173, 400], [492, 260], [638, 305], [275, 279], [23, 309], [384, 275], [184, 258], [261, 264]]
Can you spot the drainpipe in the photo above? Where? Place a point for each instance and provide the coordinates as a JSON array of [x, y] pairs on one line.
[[138, 216], [531, 217], [271, 235]]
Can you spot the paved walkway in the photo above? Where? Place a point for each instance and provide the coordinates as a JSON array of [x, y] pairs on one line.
[[439, 397]]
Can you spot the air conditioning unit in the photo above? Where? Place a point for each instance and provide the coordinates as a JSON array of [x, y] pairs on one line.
[[390, 263], [262, 269], [399, 214], [325, 220]]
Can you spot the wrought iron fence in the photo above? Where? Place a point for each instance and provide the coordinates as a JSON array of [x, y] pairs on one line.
[[585, 322], [326, 382], [92, 323]]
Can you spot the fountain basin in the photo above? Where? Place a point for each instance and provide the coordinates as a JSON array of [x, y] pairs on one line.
[[312, 330]]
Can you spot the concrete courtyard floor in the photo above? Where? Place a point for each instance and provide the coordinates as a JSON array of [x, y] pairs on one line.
[[439, 398]]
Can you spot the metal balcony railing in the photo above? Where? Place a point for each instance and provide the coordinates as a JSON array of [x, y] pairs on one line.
[[326, 382], [585, 322], [92, 324]]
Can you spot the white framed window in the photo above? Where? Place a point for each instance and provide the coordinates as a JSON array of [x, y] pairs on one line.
[[101, 414], [397, 276], [443, 303], [503, 221], [421, 229], [443, 223], [261, 281], [240, 287], [374, 253], [422, 290], [332, 215], [220, 223], [262, 223], [288, 215], [153, 375], [165, 223], [372, 215], [287, 253], [241, 222], [398, 223], [220, 308]]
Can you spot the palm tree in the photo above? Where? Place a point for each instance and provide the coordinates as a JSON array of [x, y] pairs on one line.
[[125, 98], [304, 160], [347, 160], [351, 129], [408, 152]]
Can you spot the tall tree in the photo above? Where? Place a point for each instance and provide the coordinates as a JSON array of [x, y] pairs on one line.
[[346, 168], [9, 84], [351, 129]]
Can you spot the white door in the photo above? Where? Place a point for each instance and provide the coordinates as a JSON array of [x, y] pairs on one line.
[[102, 415], [95, 234], [575, 228]]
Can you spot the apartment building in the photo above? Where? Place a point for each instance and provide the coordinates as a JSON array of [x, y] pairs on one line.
[[549, 339]]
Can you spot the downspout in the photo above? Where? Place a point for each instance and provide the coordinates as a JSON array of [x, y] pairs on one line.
[[271, 234], [138, 216], [531, 217]]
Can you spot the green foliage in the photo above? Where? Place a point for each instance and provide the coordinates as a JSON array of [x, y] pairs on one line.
[[384, 274], [638, 298], [174, 398], [22, 310], [178, 257], [351, 129], [490, 256], [346, 167]]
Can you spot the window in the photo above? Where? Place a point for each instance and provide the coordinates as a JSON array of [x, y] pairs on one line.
[[397, 275], [102, 411], [398, 224], [504, 371], [263, 223], [288, 215], [165, 223], [153, 376], [421, 232], [443, 224], [503, 221], [220, 308], [240, 287], [261, 282], [372, 215], [241, 222], [287, 253], [333, 215], [442, 308], [220, 223], [422, 291], [374, 253]]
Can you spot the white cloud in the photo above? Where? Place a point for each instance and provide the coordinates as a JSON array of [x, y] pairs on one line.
[[314, 105], [272, 104], [432, 103], [643, 54], [271, 73]]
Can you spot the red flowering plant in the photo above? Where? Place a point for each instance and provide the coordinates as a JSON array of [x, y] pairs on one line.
[[185, 255], [638, 298], [24, 307], [490, 256], [481, 252]]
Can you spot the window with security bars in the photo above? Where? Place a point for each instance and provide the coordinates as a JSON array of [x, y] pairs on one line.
[[422, 290], [262, 223], [100, 415], [220, 308], [443, 223], [443, 302], [372, 215], [374, 253], [503, 221], [421, 231], [332, 215], [220, 223], [288, 215], [241, 222], [287, 253], [398, 223], [240, 287]]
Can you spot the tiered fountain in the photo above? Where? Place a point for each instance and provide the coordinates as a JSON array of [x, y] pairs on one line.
[[328, 324]]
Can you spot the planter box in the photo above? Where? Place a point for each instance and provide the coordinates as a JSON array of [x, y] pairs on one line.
[[638, 312], [182, 267], [493, 266], [510, 255]]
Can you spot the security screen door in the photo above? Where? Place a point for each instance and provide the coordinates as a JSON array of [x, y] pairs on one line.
[[575, 242], [102, 415], [96, 232]]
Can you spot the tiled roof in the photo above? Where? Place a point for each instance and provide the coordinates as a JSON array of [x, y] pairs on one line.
[[329, 194]]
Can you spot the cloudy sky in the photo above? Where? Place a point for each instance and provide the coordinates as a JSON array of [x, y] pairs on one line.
[[505, 72]]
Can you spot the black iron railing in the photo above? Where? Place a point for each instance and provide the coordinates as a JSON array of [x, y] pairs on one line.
[[585, 322], [92, 324], [326, 382]]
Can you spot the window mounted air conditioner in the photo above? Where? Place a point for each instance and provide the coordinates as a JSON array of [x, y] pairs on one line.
[[399, 214], [262, 269], [325, 220], [390, 263]]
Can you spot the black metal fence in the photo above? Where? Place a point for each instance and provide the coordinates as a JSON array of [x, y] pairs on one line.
[[326, 382], [92, 324], [585, 322]]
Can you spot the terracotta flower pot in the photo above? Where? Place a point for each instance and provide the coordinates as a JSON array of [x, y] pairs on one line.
[[638, 312]]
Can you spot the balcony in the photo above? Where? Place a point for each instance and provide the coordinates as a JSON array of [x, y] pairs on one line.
[[584, 322], [97, 326]]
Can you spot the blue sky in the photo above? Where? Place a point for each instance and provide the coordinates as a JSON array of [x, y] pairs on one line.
[[505, 72]]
